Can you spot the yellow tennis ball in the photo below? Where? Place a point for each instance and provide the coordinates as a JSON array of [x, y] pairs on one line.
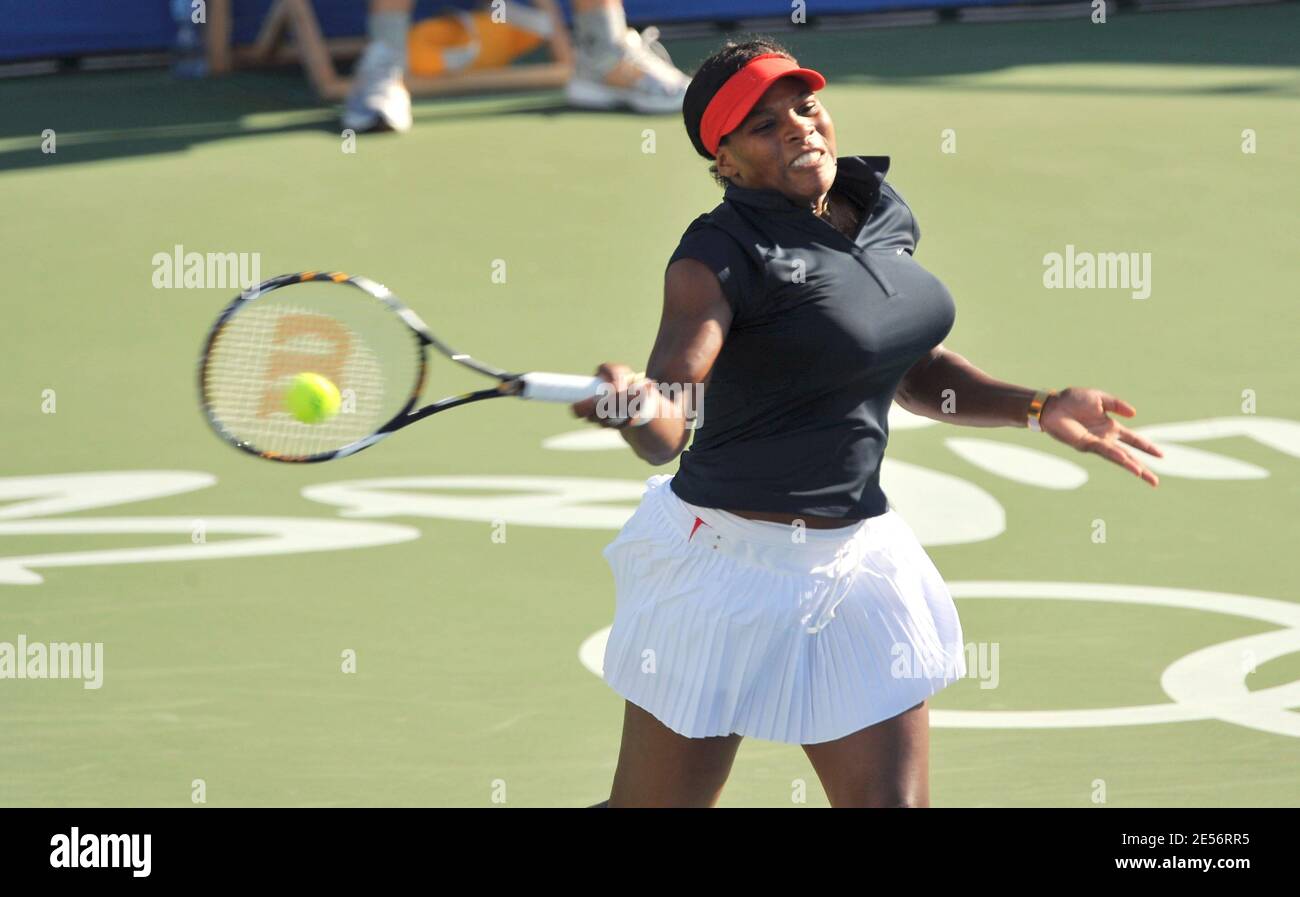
[[312, 398]]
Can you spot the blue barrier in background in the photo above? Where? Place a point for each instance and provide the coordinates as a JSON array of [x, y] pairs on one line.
[[38, 29]]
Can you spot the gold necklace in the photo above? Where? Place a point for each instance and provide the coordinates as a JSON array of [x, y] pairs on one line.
[[829, 217]]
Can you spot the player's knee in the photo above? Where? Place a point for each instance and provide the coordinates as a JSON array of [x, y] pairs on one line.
[[876, 798], [896, 799]]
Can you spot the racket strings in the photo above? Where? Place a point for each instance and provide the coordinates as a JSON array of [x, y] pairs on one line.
[[256, 355]]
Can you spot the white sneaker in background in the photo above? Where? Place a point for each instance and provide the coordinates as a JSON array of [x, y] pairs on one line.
[[379, 100], [640, 75]]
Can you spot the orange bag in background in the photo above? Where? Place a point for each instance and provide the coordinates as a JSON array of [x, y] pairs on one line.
[[462, 41]]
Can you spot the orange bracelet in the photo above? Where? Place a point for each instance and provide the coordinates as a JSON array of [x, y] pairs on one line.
[[1036, 408]]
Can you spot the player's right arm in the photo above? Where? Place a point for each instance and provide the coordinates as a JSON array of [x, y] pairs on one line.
[[695, 320]]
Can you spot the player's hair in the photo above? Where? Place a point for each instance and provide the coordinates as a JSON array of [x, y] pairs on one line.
[[713, 72]]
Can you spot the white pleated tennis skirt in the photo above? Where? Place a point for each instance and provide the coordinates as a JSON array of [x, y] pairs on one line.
[[725, 625]]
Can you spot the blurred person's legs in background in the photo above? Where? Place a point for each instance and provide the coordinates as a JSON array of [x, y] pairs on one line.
[[613, 66], [379, 100]]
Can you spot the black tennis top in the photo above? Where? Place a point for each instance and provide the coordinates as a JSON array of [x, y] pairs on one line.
[[795, 416]]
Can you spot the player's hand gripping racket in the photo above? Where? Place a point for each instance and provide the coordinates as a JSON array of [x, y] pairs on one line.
[[355, 339]]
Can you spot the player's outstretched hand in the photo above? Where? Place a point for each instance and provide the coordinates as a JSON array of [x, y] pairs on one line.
[[1078, 417]]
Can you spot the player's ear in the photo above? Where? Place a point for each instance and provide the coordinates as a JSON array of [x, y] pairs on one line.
[[726, 163]]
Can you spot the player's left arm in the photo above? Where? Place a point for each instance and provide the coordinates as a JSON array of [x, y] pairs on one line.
[[945, 386]]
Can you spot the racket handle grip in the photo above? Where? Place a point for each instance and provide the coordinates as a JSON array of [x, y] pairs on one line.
[[568, 388]]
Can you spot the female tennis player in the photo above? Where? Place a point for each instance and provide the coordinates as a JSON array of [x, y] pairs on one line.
[[768, 589]]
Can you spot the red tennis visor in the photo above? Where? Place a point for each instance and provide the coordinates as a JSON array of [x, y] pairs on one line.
[[733, 101]]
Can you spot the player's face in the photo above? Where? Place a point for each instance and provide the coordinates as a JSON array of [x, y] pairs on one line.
[[768, 149]]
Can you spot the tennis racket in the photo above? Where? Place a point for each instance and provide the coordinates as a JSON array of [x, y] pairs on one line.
[[358, 335]]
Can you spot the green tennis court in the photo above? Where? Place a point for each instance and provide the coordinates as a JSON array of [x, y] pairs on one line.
[[404, 627]]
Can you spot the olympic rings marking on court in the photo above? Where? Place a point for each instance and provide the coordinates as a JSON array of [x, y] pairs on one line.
[[32, 500], [1208, 684]]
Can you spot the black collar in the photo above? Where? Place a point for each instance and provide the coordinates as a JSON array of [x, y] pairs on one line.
[[858, 176]]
